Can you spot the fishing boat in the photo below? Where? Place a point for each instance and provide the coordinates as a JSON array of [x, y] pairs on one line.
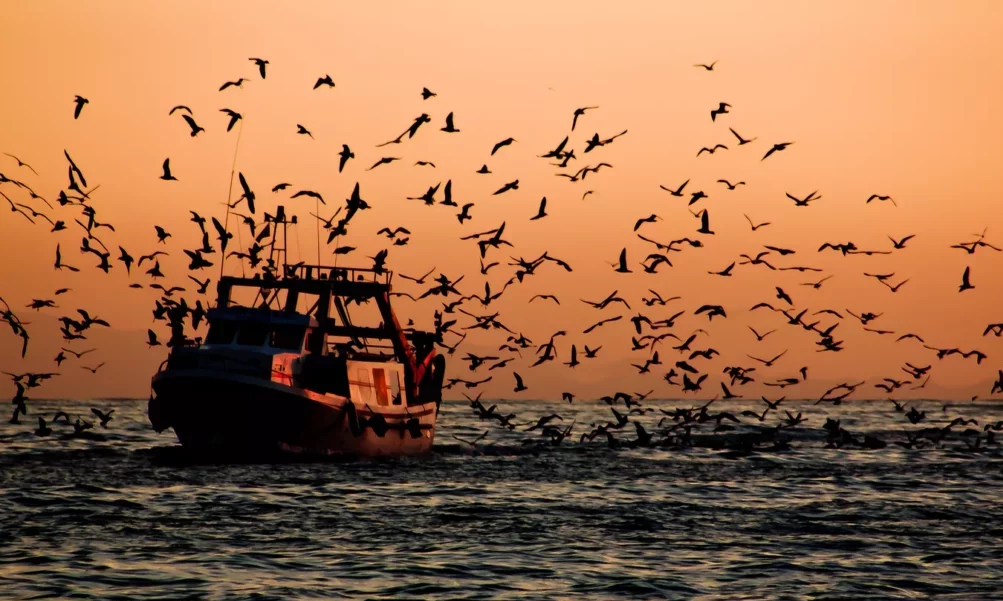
[[293, 371]]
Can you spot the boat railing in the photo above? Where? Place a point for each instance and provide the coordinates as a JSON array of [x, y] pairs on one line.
[[338, 274]]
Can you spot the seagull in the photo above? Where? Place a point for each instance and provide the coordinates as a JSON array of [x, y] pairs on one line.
[[880, 197], [324, 81], [260, 62], [345, 154], [578, 113], [741, 141], [80, 101], [449, 126], [383, 161], [712, 149], [21, 163], [234, 117], [167, 172], [102, 416], [501, 144], [191, 123], [776, 148], [722, 109], [542, 211], [519, 386], [966, 283], [239, 83], [621, 265]]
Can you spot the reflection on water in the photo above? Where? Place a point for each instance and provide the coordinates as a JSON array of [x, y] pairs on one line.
[[123, 518]]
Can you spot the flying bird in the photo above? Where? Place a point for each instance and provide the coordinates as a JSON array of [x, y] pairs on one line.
[[79, 101], [260, 62], [578, 113], [880, 197], [741, 141], [239, 84], [542, 212], [383, 161], [324, 81], [513, 185], [501, 144], [167, 172], [191, 124], [966, 283], [712, 149], [345, 154], [234, 117], [722, 109], [449, 126], [776, 148]]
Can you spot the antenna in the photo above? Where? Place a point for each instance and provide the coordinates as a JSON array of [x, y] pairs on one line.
[[229, 195]]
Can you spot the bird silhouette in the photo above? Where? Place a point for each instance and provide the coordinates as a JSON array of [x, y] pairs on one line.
[[542, 212], [678, 191], [383, 161], [167, 172], [776, 148], [722, 109], [324, 81], [345, 154], [260, 63], [712, 149], [753, 225], [234, 117], [966, 283], [519, 385], [79, 102], [578, 113], [195, 129], [741, 141], [501, 145], [239, 83]]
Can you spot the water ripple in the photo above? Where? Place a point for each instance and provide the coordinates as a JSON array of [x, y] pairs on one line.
[[129, 517]]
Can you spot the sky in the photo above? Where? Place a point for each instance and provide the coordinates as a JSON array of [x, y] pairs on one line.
[[891, 98]]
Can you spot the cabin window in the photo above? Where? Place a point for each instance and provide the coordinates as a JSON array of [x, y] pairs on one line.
[[221, 332], [395, 387], [252, 334], [364, 384], [380, 383], [287, 337]]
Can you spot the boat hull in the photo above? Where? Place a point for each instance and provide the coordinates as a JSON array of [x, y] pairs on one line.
[[221, 413]]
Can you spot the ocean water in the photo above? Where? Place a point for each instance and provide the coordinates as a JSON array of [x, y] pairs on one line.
[[124, 515]]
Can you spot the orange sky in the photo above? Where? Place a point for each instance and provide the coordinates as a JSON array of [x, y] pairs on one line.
[[896, 98]]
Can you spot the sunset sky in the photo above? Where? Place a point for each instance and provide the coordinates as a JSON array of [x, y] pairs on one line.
[[894, 98]]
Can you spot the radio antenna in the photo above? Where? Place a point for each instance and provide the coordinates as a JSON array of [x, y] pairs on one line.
[[229, 196]]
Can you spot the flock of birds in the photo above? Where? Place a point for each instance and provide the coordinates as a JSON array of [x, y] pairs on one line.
[[651, 336]]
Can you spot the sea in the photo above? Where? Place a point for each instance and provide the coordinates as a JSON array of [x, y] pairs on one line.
[[123, 514]]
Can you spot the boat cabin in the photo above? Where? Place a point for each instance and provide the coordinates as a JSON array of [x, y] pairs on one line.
[[299, 331]]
